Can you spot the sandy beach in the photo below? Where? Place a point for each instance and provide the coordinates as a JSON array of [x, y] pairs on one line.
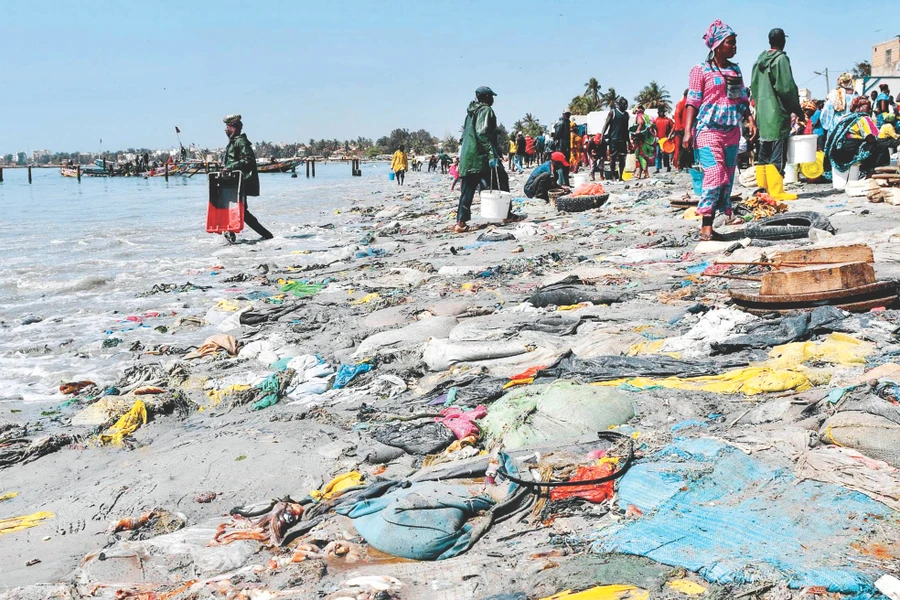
[[436, 314]]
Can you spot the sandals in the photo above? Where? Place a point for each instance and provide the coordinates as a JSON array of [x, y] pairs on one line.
[[460, 228], [514, 218]]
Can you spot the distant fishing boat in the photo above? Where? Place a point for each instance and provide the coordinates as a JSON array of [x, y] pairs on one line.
[[279, 165]]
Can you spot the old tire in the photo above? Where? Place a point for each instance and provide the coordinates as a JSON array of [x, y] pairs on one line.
[[573, 204], [788, 226]]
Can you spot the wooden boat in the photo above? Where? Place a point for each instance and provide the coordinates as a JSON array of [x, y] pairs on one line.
[[279, 165], [161, 171], [68, 172]]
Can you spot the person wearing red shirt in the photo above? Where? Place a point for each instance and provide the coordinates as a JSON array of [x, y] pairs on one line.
[[664, 128], [679, 133]]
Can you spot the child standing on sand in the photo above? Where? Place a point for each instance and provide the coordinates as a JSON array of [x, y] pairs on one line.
[[454, 172]]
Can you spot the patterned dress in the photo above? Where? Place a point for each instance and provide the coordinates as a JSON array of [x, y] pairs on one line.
[[721, 100]]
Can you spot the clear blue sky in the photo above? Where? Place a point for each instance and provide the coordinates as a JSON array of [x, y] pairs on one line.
[[129, 72]]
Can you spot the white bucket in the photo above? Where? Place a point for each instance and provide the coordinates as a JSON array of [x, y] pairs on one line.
[[630, 163], [802, 149], [839, 180], [495, 204], [579, 179], [790, 173]]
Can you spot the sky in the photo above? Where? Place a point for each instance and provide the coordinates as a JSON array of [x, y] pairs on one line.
[[128, 73]]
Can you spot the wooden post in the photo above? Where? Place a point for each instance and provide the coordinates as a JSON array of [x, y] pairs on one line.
[[207, 167], [78, 173], [307, 168], [167, 170], [294, 172], [1, 174], [314, 167], [29, 173]]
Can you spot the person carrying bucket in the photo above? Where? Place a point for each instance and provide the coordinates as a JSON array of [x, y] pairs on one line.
[[480, 159], [399, 164], [239, 156], [776, 96]]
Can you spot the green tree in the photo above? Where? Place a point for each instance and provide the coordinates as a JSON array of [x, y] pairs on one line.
[[582, 106], [592, 91], [21, 158], [532, 126], [502, 138], [608, 100], [653, 96], [862, 69], [8, 158], [450, 144]]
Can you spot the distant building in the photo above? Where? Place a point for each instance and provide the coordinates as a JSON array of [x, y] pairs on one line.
[[37, 155], [886, 58]]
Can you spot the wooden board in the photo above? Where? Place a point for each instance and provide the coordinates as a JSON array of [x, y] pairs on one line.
[[813, 279], [856, 253]]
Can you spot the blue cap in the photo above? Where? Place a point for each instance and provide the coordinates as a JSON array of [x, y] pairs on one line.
[[485, 90]]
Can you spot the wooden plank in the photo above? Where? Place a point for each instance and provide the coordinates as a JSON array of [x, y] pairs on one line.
[[855, 253], [817, 279]]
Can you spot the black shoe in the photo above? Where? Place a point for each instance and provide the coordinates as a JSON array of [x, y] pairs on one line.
[[229, 236]]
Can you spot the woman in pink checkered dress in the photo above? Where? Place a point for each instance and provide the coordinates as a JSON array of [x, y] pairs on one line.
[[717, 103]]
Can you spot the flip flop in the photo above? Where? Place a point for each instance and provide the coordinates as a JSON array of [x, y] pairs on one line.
[[460, 228], [514, 219]]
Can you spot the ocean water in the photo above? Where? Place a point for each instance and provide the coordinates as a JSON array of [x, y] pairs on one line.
[[76, 258]]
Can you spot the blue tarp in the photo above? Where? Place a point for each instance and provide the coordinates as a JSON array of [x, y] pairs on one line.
[[426, 521], [710, 508]]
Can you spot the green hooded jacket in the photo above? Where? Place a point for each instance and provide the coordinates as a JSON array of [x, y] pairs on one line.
[[479, 139], [775, 95], [239, 156]]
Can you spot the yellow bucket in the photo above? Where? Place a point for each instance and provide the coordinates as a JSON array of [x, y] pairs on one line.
[[627, 175]]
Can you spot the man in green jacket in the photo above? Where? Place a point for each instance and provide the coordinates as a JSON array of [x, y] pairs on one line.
[[239, 156], [479, 157], [775, 96]]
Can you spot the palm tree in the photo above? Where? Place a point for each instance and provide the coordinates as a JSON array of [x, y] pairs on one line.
[[592, 91], [653, 96], [580, 106], [608, 100]]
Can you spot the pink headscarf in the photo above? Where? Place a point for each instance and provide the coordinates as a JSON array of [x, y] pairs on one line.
[[717, 33]]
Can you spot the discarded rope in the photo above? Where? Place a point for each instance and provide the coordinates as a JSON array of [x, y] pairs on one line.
[[611, 436]]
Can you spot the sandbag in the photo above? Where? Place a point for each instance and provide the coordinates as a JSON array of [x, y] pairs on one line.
[[566, 294], [426, 521], [560, 411], [405, 337], [872, 435], [441, 354]]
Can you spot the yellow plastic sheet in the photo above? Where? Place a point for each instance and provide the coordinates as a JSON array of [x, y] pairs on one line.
[[228, 306], [367, 298], [837, 348], [687, 587], [216, 396], [749, 381], [604, 592], [336, 486], [8, 496], [126, 425], [14, 524]]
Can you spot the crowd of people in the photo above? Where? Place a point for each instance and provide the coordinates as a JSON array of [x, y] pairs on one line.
[[718, 123]]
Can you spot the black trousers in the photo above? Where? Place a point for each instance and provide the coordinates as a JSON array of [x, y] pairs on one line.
[[251, 222], [540, 187], [499, 180], [773, 153]]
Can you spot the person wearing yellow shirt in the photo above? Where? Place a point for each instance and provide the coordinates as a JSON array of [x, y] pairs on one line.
[[512, 152], [399, 164]]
